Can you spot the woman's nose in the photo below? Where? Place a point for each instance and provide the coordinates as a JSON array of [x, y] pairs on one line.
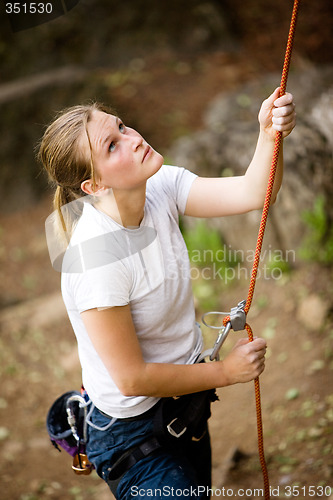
[[136, 140], [137, 143]]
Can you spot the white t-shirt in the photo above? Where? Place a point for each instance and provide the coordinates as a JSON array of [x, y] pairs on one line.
[[108, 265]]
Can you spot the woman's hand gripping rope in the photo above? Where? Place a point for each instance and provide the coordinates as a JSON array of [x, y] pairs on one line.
[[277, 114], [246, 361]]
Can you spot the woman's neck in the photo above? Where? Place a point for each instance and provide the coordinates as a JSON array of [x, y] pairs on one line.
[[124, 207]]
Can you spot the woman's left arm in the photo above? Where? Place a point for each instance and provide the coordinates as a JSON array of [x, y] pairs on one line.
[[217, 197]]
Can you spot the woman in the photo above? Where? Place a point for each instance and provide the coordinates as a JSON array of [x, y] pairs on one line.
[[127, 290]]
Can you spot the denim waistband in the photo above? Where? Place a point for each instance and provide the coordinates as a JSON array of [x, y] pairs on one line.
[[147, 414]]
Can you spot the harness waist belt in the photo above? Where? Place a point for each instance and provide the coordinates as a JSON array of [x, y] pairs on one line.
[[132, 456]]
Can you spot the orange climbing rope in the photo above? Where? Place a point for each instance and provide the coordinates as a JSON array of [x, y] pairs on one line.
[[262, 226], [275, 158]]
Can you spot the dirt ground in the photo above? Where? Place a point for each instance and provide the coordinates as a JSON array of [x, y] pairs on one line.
[[38, 358]]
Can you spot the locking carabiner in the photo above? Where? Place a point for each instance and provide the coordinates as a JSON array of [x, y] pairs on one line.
[[223, 334]]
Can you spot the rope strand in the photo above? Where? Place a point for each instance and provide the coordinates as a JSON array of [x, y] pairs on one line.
[[277, 146]]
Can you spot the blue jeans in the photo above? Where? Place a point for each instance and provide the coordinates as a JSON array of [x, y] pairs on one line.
[[180, 473]]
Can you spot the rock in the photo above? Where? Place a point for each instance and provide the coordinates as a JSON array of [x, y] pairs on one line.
[[226, 144], [232, 460]]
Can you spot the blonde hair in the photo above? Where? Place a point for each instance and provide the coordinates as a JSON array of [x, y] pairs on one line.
[[67, 162]]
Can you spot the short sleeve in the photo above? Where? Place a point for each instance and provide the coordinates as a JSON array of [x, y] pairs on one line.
[[102, 287], [176, 182]]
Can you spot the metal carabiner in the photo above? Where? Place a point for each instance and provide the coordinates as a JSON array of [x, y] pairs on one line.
[[71, 419], [223, 333], [81, 463]]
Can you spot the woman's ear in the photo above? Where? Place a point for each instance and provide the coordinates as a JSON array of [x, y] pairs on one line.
[[90, 187]]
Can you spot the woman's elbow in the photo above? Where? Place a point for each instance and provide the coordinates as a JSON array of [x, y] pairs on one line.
[[258, 204], [128, 388], [132, 386], [127, 391]]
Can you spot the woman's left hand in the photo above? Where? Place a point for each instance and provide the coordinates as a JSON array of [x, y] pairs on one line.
[[277, 113]]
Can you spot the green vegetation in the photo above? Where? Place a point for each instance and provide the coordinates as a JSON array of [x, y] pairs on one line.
[[277, 265], [318, 243], [212, 265], [206, 246]]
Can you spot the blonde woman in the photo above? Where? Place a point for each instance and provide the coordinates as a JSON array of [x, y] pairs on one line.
[[126, 286]]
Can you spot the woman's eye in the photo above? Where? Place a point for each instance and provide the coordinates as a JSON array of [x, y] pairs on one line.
[[122, 130]]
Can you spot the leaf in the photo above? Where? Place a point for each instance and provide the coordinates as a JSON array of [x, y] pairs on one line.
[[4, 433], [292, 393], [317, 365], [282, 459]]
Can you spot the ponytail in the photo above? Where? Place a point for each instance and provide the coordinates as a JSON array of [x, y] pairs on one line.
[[67, 212], [66, 154]]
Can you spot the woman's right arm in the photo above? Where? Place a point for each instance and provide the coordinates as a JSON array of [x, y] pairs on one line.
[[113, 335]]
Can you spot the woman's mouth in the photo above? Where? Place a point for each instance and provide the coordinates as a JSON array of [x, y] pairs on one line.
[[146, 153]]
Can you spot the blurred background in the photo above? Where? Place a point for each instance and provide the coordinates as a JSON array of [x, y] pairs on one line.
[[190, 76]]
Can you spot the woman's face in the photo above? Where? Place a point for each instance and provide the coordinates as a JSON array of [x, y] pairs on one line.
[[122, 159]]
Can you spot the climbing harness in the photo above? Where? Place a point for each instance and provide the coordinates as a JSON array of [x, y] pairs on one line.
[[176, 420], [236, 319], [179, 419]]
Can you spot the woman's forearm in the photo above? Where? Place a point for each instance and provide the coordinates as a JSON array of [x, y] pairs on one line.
[[244, 363], [164, 380], [257, 174]]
